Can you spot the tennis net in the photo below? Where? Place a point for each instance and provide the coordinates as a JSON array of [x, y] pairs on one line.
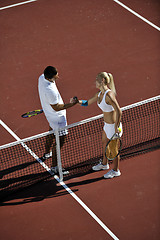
[[82, 148]]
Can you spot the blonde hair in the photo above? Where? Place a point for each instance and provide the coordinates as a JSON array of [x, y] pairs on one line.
[[108, 77]]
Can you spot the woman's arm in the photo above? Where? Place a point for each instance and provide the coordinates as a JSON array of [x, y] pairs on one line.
[[114, 103], [90, 101]]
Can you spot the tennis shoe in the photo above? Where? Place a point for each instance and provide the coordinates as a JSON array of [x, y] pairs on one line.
[[46, 156], [100, 166], [55, 170], [112, 174]]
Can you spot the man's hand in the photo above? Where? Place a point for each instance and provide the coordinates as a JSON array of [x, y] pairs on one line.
[[74, 100]]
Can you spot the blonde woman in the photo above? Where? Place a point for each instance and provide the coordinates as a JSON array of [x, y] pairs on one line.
[[106, 101]]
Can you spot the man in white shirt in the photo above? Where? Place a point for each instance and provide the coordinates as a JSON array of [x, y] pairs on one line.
[[54, 109]]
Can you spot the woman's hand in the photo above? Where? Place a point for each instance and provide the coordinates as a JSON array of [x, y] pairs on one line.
[[118, 130]]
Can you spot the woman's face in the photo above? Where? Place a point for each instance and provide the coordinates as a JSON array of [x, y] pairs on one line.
[[98, 83]]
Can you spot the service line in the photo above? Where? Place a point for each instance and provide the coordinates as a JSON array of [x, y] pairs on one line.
[[137, 15], [17, 4]]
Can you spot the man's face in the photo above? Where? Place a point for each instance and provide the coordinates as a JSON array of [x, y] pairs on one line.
[[54, 78]]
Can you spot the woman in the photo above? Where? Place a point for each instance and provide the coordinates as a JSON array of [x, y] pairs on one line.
[[106, 100]]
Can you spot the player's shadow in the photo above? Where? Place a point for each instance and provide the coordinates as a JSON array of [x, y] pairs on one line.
[[49, 188]]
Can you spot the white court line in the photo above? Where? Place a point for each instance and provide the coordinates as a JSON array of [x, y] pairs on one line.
[[87, 209], [136, 14], [63, 184], [26, 148], [17, 4]]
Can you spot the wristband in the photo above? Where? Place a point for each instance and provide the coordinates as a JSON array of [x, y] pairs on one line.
[[84, 103]]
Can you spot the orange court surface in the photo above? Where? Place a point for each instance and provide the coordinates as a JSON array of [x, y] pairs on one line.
[[81, 39]]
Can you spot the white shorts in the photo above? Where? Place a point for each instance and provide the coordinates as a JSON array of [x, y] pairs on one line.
[[57, 123], [110, 129]]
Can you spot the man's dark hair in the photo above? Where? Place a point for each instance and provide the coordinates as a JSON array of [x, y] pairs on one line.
[[50, 72]]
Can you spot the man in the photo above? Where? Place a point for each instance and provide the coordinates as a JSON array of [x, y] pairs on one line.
[[54, 109]]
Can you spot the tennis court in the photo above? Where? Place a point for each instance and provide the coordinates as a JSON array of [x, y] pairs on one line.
[[80, 39]]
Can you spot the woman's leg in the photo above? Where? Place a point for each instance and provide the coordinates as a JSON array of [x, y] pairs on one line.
[[114, 150], [104, 143], [116, 163]]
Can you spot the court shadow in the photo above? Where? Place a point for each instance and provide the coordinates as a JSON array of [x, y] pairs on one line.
[[49, 188], [85, 182]]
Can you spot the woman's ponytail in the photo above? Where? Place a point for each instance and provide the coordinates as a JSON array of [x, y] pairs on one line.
[[111, 83], [108, 77]]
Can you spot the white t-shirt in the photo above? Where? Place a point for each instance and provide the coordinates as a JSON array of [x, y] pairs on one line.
[[49, 95]]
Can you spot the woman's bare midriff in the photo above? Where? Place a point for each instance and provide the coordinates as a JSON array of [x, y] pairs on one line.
[[109, 117]]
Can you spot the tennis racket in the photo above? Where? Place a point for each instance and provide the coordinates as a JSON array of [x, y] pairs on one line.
[[32, 113], [36, 112], [113, 146]]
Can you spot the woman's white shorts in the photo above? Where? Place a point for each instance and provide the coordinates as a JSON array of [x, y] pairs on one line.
[[110, 129]]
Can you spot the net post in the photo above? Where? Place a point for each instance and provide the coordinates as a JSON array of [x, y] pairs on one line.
[[58, 150]]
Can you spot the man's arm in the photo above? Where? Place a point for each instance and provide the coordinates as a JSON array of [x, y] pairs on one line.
[[58, 107]]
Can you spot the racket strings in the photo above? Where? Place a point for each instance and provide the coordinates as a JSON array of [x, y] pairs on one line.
[[113, 149]]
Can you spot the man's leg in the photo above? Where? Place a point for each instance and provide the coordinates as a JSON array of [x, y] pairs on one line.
[[49, 142], [54, 152]]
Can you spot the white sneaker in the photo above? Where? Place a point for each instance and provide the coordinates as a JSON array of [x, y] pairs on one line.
[[55, 170], [100, 166], [46, 156], [112, 174]]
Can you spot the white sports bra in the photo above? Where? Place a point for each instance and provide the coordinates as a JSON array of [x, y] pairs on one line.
[[103, 105]]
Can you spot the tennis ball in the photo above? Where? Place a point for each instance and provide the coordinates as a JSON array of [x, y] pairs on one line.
[[119, 129]]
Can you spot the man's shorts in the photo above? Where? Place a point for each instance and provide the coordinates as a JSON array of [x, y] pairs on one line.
[[110, 129], [58, 123]]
